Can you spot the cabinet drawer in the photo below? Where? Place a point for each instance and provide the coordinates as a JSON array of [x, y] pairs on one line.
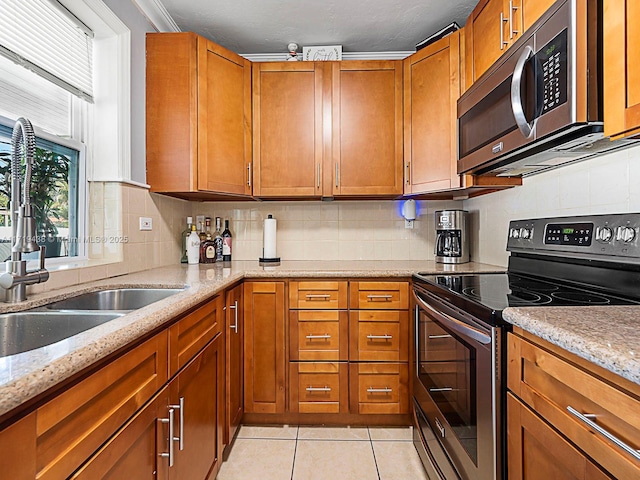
[[189, 335], [379, 335], [318, 295], [319, 335], [379, 295], [74, 424], [379, 388], [560, 388], [319, 387]]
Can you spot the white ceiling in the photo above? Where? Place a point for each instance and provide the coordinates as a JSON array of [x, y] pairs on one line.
[[267, 26]]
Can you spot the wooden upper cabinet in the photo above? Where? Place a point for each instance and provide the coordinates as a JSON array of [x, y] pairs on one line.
[[287, 134], [367, 128], [198, 117], [621, 46], [431, 90]]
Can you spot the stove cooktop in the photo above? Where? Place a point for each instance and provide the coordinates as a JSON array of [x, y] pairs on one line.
[[497, 291]]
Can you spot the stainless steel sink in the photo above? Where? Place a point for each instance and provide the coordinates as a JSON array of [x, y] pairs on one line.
[[116, 299], [24, 331]]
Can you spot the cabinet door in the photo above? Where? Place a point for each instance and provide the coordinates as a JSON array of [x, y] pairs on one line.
[[431, 90], [18, 447], [621, 46], [197, 395], [224, 120], [264, 347], [367, 128], [532, 10], [136, 450], [486, 37], [234, 339], [538, 452], [287, 133]]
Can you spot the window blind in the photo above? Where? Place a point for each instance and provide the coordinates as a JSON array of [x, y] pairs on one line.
[[38, 36]]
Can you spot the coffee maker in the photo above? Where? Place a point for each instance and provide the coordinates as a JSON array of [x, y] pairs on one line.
[[452, 236]]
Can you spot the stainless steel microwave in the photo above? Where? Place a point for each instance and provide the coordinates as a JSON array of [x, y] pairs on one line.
[[540, 105]]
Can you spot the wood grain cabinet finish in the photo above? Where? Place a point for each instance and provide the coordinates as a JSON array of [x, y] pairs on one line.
[[379, 335], [366, 112], [18, 447], [621, 47], [72, 426], [560, 387], [318, 295], [198, 117], [264, 347], [287, 129], [379, 388], [379, 295], [318, 335], [319, 387], [234, 355]]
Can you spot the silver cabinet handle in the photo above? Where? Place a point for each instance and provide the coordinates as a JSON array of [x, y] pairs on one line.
[[512, 31], [434, 337], [443, 389], [408, 172], [318, 296], [249, 174], [379, 337], [502, 21], [589, 420], [234, 307], [318, 389], [170, 422], [326, 336], [379, 390], [180, 408], [337, 175], [318, 171], [373, 298], [516, 101]]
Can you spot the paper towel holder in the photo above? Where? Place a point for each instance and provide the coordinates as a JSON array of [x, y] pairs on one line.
[[271, 260]]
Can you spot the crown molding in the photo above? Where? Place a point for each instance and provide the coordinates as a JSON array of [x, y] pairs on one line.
[[157, 15], [280, 57]]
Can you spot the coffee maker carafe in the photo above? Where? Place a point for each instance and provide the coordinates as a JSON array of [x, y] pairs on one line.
[[452, 236]]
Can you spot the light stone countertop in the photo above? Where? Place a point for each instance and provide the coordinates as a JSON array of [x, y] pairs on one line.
[[24, 376], [607, 336]]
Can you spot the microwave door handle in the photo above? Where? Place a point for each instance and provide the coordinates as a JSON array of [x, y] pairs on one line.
[[516, 100]]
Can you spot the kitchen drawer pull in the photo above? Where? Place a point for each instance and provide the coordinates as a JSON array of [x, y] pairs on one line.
[[512, 31], [318, 389], [379, 390], [318, 296], [249, 174], [379, 337], [326, 336], [318, 183], [589, 420], [435, 337], [170, 422], [502, 20], [234, 327], [443, 389], [373, 298], [180, 439]]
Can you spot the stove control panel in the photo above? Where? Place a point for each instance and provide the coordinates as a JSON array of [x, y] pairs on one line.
[[608, 237]]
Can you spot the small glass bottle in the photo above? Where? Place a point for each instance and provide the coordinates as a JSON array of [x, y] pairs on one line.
[[202, 233], [217, 238], [226, 242], [193, 246], [185, 235], [207, 247]]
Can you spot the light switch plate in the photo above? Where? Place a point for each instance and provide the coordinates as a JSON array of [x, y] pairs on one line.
[[146, 223]]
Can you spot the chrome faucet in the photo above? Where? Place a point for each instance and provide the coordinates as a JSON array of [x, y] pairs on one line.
[[23, 225]]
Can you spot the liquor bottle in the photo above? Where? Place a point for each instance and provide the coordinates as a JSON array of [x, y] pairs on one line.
[[185, 235], [217, 238], [226, 242], [207, 247], [193, 246], [202, 233]]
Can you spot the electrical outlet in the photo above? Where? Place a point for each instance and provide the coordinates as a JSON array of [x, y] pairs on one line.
[[146, 223], [408, 224]]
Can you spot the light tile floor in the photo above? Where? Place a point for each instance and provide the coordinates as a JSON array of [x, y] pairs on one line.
[[322, 453]]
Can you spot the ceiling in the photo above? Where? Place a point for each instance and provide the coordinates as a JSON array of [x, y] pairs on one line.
[[267, 26]]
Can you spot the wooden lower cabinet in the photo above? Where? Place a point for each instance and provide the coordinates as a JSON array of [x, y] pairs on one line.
[[538, 452], [264, 347], [319, 387], [381, 336], [234, 358], [319, 335], [379, 388], [18, 447]]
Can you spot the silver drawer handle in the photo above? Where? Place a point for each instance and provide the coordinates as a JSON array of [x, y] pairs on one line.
[[171, 436], [318, 389], [379, 337], [312, 296], [180, 408], [588, 419], [434, 337], [379, 390], [444, 389], [326, 336], [372, 298]]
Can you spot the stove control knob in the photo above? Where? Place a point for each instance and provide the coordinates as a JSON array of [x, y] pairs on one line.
[[525, 233], [514, 233], [626, 234], [604, 234]]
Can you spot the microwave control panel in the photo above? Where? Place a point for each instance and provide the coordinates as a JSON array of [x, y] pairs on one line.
[[551, 60]]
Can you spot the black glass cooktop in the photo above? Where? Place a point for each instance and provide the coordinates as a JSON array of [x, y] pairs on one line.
[[498, 291]]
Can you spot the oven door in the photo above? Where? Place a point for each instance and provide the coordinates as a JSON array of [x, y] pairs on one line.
[[456, 386]]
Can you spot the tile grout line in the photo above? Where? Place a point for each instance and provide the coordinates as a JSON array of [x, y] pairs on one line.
[[295, 451], [375, 462]]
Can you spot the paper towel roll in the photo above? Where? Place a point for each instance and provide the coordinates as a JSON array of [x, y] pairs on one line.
[[269, 238]]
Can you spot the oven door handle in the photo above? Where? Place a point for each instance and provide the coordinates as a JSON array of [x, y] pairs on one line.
[[455, 324]]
